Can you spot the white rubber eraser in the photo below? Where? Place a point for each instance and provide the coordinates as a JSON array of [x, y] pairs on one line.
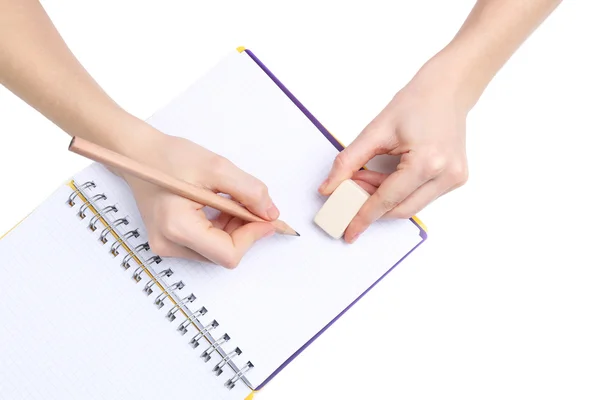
[[340, 208]]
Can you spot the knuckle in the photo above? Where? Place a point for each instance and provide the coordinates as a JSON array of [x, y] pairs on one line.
[[220, 165], [259, 191], [341, 160], [458, 173], [389, 203], [384, 200], [434, 165]]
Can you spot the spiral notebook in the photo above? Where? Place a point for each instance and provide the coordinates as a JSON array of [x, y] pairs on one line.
[[88, 311]]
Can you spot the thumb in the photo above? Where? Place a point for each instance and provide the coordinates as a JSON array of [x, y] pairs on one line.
[[350, 160]]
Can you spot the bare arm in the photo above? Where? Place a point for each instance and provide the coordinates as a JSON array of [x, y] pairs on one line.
[[36, 64], [491, 34], [425, 122]]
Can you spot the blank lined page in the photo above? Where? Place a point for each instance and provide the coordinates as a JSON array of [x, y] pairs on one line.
[[286, 289], [76, 326]]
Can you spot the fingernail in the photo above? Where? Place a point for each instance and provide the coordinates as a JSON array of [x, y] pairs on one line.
[[269, 233], [273, 212], [354, 237], [324, 185]]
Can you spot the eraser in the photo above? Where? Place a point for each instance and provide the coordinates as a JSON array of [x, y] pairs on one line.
[[340, 208]]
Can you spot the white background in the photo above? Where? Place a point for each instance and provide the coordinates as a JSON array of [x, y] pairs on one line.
[[503, 300]]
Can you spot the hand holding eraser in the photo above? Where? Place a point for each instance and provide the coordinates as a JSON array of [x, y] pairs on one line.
[[340, 208]]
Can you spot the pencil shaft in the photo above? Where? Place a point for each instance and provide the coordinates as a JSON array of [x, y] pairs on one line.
[[184, 189]]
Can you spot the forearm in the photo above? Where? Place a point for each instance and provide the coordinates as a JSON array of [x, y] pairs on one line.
[[37, 65], [491, 34]]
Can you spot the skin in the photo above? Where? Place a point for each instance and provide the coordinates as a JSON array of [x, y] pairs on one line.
[[424, 123]]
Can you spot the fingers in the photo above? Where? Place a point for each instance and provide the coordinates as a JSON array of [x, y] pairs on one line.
[[221, 220], [243, 187], [392, 191], [225, 249], [180, 229], [428, 192], [451, 178], [233, 225], [227, 223], [372, 177], [416, 201], [350, 160], [367, 186], [223, 241], [403, 193], [371, 180]]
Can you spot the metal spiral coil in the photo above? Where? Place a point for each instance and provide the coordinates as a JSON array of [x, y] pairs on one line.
[[182, 328], [206, 354], [171, 314], [87, 204], [218, 369], [230, 384], [96, 218], [131, 254], [160, 300], [148, 287], [123, 241], [111, 228], [195, 342], [114, 248]]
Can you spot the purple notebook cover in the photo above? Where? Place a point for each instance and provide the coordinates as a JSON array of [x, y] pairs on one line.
[[339, 147]]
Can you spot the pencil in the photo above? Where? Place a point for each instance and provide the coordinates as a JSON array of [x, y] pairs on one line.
[[184, 189]]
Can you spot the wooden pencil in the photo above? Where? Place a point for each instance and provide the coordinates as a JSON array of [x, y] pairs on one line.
[[184, 189]]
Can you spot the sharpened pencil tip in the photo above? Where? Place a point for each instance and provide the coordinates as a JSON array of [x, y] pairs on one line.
[[297, 234]]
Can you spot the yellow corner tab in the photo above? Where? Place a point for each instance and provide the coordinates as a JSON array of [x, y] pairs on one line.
[[251, 395], [419, 222], [241, 49]]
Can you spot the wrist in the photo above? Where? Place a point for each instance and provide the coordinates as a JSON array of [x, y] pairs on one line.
[[129, 136], [457, 73], [132, 137]]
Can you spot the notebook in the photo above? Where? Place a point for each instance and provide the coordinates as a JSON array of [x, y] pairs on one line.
[[90, 312]]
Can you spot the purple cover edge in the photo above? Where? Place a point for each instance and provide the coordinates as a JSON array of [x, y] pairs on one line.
[[339, 147]]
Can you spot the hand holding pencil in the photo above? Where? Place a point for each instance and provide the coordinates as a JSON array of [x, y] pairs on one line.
[[171, 197]]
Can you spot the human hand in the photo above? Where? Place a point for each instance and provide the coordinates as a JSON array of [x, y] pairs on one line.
[[425, 124], [178, 227]]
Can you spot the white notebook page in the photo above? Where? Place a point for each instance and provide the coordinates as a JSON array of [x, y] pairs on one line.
[[286, 289], [76, 326]]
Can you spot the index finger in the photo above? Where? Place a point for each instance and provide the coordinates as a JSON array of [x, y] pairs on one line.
[[243, 187]]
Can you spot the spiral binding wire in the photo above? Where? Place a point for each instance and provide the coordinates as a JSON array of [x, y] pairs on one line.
[[157, 281]]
